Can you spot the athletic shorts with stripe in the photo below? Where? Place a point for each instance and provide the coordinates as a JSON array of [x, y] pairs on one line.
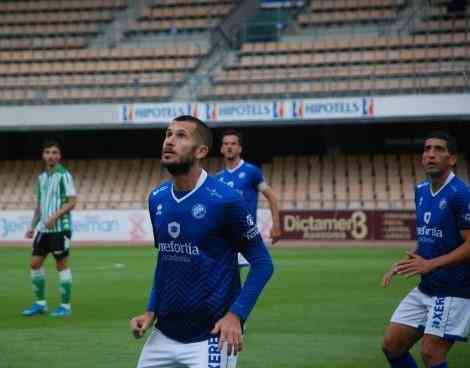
[[56, 243], [445, 316], [162, 352]]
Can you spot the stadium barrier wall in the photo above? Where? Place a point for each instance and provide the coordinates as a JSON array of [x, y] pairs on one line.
[[106, 227], [99, 226], [238, 113]]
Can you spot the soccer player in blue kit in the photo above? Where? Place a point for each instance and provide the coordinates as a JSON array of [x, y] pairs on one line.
[[197, 303], [437, 311], [247, 179]]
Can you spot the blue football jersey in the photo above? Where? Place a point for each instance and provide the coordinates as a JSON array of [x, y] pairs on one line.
[[197, 278], [440, 217], [246, 179]]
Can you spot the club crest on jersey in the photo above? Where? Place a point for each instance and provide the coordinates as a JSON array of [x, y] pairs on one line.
[[159, 210], [230, 184], [242, 175], [198, 211], [427, 217], [174, 229], [443, 204]]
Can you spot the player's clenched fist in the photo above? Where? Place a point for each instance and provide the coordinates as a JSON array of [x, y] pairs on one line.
[[140, 324]]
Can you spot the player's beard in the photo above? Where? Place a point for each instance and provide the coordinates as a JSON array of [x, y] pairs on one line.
[[180, 168]]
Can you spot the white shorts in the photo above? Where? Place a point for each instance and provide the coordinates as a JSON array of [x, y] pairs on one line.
[[160, 351], [446, 317], [242, 261]]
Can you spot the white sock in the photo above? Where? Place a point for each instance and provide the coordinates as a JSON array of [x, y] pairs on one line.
[[65, 275]]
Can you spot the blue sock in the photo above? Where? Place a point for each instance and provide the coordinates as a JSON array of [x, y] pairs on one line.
[[442, 365], [405, 361]]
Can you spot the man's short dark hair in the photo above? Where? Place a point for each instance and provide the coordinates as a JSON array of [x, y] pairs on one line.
[[51, 143], [234, 132], [203, 131], [445, 136]]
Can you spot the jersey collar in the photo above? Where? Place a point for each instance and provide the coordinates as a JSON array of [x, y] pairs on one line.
[[449, 178], [200, 181], [231, 171]]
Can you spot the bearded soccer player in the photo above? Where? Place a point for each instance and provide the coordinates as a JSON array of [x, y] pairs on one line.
[[437, 311], [247, 179], [197, 303], [56, 197]]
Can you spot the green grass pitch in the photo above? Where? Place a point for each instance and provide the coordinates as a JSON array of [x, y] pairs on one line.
[[324, 308]]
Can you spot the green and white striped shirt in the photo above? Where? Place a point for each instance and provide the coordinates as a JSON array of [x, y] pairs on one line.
[[53, 191]]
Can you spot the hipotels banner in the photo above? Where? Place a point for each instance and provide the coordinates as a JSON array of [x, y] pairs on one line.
[[293, 111], [101, 226], [156, 113], [251, 111]]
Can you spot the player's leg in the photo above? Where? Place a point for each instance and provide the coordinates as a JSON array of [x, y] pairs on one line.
[[405, 329], [37, 273], [61, 255], [397, 342], [448, 321], [159, 352], [434, 351]]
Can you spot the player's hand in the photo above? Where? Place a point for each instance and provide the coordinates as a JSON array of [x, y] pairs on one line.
[[387, 278], [29, 234], [275, 234], [229, 329], [140, 324], [415, 265], [51, 222]]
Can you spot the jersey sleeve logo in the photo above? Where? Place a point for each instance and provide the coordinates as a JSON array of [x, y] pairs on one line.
[[159, 210], [156, 191], [174, 229], [198, 211], [427, 217]]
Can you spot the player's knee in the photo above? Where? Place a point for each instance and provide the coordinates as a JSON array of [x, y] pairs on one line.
[[36, 264], [392, 347], [431, 353], [61, 264]]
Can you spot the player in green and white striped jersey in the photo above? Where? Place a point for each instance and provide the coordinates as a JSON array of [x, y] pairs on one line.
[[56, 197]]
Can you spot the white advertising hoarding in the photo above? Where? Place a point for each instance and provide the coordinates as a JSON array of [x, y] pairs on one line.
[[293, 111]]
